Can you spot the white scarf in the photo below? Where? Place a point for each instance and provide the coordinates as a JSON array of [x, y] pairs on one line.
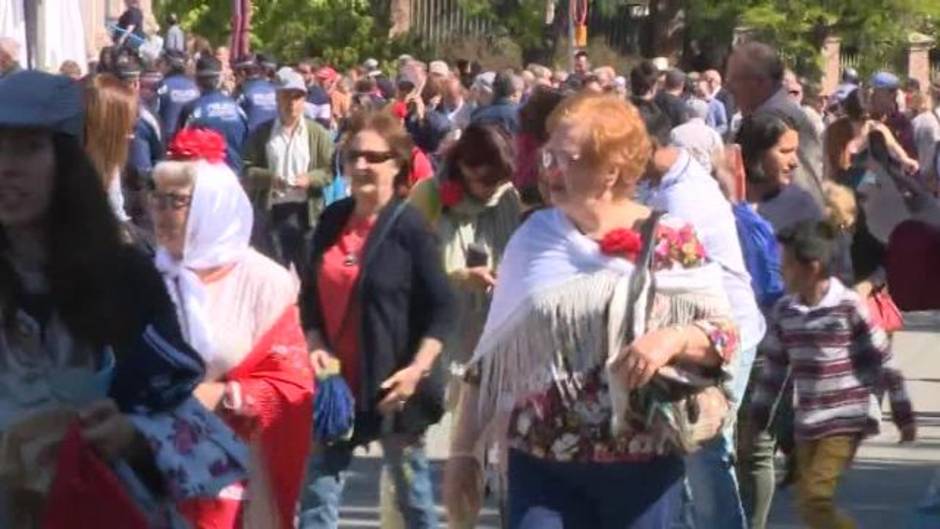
[[218, 233], [549, 309]]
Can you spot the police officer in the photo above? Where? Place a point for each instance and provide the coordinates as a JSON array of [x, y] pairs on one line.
[[256, 95], [175, 92], [146, 148], [217, 111]]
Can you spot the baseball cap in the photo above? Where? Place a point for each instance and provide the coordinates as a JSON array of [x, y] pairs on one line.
[[288, 79], [371, 64], [37, 99], [842, 92], [439, 68], [885, 81], [208, 66], [484, 81], [266, 61], [249, 60], [175, 58], [127, 68]]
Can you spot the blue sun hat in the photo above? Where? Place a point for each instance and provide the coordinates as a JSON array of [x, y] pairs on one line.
[[37, 99]]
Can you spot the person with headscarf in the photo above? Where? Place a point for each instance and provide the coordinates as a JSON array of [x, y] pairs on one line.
[[238, 309]]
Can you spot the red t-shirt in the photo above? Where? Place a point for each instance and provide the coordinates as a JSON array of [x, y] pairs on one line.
[[336, 286]]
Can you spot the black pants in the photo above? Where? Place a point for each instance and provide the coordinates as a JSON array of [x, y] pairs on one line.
[[290, 227]]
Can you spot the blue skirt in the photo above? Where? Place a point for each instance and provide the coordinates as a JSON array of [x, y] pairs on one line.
[[553, 495]]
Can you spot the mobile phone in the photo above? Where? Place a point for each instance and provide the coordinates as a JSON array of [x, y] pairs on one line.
[[477, 255]]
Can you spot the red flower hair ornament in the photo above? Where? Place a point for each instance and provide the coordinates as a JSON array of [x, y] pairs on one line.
[[192, 144]]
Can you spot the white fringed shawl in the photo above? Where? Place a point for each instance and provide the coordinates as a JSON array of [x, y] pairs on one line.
[[548, 323]]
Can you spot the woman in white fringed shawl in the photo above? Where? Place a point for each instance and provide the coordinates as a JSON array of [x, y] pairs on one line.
[[546, 355]]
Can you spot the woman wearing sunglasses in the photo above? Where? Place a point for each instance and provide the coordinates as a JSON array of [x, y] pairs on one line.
[[559, 350], [377, 299], [238, 309]]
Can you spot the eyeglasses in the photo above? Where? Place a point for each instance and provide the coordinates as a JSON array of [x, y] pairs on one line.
[[372, 157], [560, 159], [176, 201]]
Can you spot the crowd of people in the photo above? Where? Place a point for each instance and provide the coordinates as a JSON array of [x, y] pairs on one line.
[[630, 291]]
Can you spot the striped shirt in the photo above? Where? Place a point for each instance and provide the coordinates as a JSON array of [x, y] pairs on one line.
[[838, 361]]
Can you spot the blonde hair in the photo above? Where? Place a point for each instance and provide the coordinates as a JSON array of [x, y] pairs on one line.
[[840, 206], [110, 113], [613, 134]]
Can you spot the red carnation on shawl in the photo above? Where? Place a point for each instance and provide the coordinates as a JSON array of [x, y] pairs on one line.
[[622, 242], [197, 144], [451, 193]]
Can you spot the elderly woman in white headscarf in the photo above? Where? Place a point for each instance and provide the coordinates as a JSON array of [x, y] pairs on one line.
[[238, 309]]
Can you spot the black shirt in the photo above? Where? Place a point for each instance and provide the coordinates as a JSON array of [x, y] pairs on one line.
[[133, 17]]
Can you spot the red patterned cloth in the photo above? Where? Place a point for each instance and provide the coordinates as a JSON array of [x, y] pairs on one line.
[[83, 484], [277, 381], [276, 384]]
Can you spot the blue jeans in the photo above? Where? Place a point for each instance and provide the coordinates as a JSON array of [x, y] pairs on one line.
[[406, 463], [715, 499], [551, 495]]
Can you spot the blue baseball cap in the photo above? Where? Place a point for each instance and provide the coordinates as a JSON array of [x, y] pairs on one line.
[[885, 81], [31, 98]]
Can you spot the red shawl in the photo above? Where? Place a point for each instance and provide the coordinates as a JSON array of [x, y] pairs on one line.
[[277, 390]]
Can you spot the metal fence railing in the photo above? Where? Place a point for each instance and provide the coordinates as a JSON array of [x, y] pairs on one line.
[[438, 21]]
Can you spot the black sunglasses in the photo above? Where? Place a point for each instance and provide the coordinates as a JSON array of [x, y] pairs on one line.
[[372, 157]]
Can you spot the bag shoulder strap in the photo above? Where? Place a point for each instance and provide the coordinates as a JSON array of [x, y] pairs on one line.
[[639, 300]]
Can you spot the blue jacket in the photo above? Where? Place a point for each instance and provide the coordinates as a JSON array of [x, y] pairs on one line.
[[146, 147], [258, 98], [502, 112], [219, 112], [174, 93], [717, 116]]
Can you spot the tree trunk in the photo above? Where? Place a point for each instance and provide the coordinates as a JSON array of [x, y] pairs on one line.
[[665, 27]]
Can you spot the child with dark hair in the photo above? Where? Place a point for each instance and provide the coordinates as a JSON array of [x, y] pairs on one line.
[[822, 334]]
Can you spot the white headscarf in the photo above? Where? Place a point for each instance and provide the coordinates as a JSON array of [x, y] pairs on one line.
[[218, 233]]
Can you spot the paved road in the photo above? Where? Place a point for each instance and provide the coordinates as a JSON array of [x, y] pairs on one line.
[[882, 488]]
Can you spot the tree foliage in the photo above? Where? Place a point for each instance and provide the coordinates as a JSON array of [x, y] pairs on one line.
[[343, 32], [876, 29], [348, 31]]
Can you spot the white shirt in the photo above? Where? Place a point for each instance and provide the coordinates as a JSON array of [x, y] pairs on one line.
[[700, 140], [288, 155], [687, 191]]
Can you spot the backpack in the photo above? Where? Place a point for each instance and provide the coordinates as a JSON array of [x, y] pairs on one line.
[[761, 254]]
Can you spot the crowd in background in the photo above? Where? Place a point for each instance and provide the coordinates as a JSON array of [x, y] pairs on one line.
[[568, 262]]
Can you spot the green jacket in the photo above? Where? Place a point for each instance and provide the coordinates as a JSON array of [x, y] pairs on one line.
[[258, 178]]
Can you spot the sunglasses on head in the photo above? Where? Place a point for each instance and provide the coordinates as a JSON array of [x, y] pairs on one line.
[[372, 157]]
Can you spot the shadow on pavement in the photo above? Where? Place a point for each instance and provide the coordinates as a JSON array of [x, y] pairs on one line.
[[882, 494], [360, 509]]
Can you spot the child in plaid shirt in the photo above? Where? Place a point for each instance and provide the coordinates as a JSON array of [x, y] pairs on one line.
[[821, 335]]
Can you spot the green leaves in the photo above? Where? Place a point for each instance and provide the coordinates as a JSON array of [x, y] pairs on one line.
[[876, 29]]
